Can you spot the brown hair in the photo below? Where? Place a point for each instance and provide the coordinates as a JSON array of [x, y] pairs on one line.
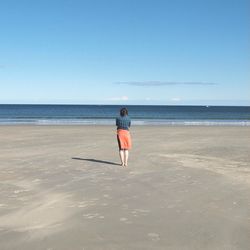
[[123, 112]]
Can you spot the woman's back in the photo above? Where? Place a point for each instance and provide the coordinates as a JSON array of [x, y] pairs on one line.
[[123, 122]]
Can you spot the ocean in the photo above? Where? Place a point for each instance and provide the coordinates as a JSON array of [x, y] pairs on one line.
[[140, 115]]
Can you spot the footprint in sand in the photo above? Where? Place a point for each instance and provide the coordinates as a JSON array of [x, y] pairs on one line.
[[123, 219], [36, 180], [154, 236], [18, 191], [91, 216], [106, 196]]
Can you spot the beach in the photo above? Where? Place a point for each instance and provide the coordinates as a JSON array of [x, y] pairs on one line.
[[186, 187]]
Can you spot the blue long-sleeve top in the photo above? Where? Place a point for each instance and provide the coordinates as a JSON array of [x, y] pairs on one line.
[[123, 122]]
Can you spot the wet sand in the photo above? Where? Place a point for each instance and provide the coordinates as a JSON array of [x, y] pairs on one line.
[[61, 188]]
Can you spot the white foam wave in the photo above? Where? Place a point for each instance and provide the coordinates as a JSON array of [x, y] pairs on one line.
[[136, 122]]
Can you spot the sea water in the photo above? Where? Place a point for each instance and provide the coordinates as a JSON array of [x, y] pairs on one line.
[[140, 115]]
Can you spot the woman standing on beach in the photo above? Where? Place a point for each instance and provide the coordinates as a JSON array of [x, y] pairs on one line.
[[123, 123]]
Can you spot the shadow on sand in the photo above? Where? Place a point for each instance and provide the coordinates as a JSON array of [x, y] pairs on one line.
[[94, 160]]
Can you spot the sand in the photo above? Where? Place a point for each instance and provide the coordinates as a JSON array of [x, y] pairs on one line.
[[61, 187]]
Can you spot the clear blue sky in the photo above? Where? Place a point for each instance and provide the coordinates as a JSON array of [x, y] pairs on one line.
[[125, 51]]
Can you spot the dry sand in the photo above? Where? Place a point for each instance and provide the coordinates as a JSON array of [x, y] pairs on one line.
[[185, 188]]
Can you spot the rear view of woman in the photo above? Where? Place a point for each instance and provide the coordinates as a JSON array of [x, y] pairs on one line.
[[123, 124]]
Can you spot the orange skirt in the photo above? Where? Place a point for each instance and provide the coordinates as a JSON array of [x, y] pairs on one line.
[[124, 139]]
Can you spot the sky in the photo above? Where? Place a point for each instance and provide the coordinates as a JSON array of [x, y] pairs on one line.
[[178, 52]]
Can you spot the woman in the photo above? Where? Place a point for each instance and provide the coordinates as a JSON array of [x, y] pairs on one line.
[[123, 136]]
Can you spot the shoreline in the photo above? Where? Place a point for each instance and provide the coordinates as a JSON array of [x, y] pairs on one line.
[[111, 122]]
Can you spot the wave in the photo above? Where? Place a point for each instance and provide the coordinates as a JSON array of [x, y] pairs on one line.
[[136, 122]]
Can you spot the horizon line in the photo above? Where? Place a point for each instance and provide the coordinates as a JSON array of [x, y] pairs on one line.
[[107, 104]]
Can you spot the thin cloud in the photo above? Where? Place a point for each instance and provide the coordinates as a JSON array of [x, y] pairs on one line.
[[120, 98], [176, 99], [163, 83]]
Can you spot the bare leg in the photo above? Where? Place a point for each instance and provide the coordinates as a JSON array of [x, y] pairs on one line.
[[121, 153], [126, 157]]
